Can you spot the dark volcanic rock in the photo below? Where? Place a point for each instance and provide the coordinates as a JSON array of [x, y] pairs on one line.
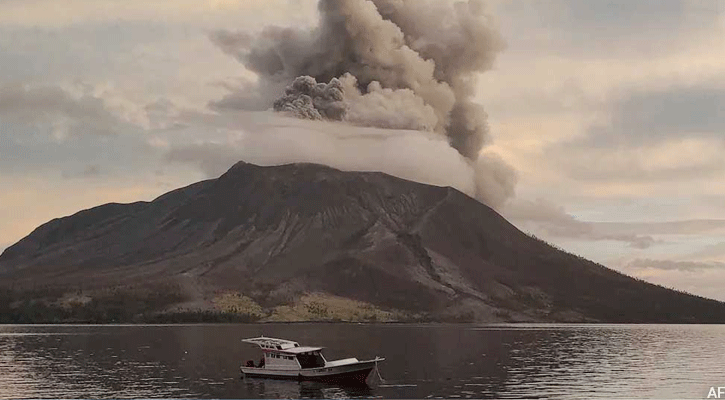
[[275, 233]]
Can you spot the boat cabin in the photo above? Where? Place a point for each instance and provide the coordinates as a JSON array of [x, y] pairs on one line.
[[286, 354]]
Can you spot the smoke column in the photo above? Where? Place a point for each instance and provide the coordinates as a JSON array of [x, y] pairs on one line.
[[393, 64]]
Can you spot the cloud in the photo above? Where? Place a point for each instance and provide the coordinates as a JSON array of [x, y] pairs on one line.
[[392, 64], [610, 28], [710, 252], [701, 278], [640, 264], [89, 171], [213, 159], [269, 139], [68, 133], [675, 160], [433, 51], [55, 107], [653, 136], [688, 227], [568, 74], [248, 95], [45, 13], [546, 219], [652, 117]]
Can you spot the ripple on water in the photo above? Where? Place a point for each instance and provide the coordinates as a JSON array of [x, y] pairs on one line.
[[537, 361]]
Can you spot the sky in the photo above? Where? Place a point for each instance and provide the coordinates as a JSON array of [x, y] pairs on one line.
[[611, 114]]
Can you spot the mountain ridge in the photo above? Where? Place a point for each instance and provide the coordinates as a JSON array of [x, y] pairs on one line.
[[274, 236]]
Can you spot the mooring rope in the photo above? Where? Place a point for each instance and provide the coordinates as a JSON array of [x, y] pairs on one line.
[[377, 371], [384, 383]]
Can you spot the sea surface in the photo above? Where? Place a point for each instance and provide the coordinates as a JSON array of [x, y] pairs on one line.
[[422, 361]]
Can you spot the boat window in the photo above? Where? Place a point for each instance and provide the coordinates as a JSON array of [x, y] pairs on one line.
[[310, 360]]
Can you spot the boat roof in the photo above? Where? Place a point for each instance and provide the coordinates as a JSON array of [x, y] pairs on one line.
[[302, 349], [287, 346]]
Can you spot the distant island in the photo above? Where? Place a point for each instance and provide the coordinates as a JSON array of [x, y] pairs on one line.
[[305, 242]]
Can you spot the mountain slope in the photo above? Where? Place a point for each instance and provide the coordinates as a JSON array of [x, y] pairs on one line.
[[276, 234]]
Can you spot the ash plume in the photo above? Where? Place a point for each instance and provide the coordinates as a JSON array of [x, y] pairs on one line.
[[307, 99], [393, 64]]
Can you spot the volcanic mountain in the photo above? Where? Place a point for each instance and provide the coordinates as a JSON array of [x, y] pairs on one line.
[[274, 236]]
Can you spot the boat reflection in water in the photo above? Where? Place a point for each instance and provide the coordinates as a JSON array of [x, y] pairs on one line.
[[287, 389]]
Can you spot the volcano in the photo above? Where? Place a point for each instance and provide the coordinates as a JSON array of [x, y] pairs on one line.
[[277, 235]]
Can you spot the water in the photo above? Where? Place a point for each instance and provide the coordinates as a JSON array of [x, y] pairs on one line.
[[423, 361]]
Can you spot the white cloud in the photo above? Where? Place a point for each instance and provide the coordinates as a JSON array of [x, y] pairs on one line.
[[268, 139]]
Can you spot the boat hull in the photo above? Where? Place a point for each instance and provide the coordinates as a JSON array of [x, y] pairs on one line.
[[351, 373]]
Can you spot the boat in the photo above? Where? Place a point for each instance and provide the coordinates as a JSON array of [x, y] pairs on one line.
[[286, 359]]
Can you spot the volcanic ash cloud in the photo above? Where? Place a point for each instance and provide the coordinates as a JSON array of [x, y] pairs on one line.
[[392, 64]]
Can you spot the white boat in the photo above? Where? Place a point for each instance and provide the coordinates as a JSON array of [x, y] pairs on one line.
[[285, 359]]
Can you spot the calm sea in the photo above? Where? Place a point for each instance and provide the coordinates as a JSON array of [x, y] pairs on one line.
[[423, 361]]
